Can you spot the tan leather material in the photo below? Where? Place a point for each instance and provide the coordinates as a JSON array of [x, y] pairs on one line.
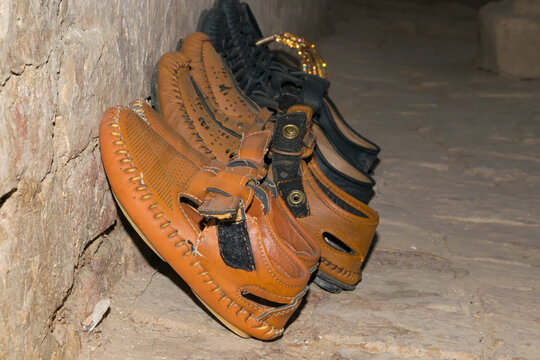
[[254, 146], [165, 131], [209, 136], [148, 177], [294, 234], [215, 80], [177, 96], [225, 99], [327, 217]]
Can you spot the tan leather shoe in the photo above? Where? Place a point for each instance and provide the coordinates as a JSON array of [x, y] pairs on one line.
[[253, 149], [211, 131], [214, 226], [273, 83], [199, 70]]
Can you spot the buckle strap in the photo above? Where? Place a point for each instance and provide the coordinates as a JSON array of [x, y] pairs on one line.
[[289, 132], [287, 144]]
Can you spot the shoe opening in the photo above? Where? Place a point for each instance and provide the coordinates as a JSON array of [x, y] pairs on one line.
[[336, 243], [261, 301]]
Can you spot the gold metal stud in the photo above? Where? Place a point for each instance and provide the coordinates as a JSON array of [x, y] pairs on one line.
[[290, 131], [296, 197]]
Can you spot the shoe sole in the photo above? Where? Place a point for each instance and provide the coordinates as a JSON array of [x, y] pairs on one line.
[[330, 284]]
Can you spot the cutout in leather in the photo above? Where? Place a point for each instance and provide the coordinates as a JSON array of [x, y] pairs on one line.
[[336, 243], [188, 201], [261, 301]]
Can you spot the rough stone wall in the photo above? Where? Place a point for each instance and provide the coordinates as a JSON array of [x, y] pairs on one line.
[[62, 64]]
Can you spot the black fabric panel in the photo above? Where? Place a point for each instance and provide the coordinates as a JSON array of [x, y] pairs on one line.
[[286, 168], [336, 200], [360, 157], [279, 142], [288, 177], [313, 91], [359, 190], [287, 100], [251, 17], [235, 247]]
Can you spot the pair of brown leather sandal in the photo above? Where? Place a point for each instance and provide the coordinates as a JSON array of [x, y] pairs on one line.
[[341, 224], [233, 197]]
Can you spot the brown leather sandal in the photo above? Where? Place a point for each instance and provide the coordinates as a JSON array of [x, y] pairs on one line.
[[226, 113], [211, 131], [213, 225], [253, 150]]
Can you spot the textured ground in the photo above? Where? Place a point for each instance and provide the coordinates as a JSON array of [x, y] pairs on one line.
[[455, 271]]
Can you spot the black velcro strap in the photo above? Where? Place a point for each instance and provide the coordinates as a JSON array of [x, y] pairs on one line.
[[288, 179], [234, 245], [286, 161]]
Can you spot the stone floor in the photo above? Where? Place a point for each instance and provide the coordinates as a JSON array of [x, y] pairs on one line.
[[455, 270]]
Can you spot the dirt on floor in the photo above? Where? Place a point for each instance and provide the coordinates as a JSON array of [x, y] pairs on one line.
[[455, 269]]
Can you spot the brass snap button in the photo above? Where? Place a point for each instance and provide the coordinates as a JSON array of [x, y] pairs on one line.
[[296, 197], [290, 131]]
